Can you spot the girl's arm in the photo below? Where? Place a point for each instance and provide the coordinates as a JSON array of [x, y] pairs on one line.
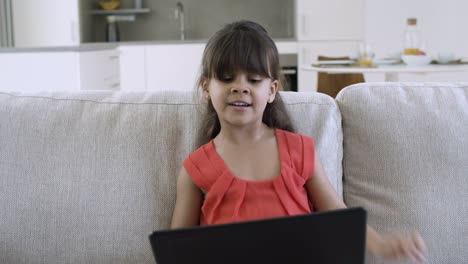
[[324, 198], [188, 202]]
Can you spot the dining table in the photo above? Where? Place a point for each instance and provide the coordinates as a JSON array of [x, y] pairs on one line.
[[390, 71]]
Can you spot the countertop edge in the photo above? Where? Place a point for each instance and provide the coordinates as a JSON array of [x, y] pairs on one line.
[[98, 46]]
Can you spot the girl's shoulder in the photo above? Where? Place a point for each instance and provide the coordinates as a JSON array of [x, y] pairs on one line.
[[293, 136], [201, 155], [202, 166], [298, 150], [202, 147]]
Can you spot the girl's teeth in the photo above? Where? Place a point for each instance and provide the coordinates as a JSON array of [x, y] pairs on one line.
[[240, 104]]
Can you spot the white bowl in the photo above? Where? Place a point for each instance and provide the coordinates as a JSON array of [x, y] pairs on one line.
[[416, 60], [446, 57]]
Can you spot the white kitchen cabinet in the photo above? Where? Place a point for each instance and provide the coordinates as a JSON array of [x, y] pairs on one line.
[[326, 27], [100, 70], [132, 67], [34, 71], [309, 51], [173, 67], [60, 70], [330, 19], [46, 23]]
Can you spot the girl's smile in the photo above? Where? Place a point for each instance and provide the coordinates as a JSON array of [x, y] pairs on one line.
[[239, 105], [240, 99]]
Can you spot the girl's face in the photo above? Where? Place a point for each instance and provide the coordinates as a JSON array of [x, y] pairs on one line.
[[240, 100]]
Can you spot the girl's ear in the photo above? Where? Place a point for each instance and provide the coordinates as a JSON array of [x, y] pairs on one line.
[[274, 86], [206, 92]]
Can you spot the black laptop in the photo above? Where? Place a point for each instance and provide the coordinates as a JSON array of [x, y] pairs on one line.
[[325, 237]]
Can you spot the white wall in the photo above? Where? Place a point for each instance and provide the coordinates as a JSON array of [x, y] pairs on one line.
[[443, 24]]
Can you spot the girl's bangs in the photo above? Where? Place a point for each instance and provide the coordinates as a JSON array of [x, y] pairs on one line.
[[240, 54]]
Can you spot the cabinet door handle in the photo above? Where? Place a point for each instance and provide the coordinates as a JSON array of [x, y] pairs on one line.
[[114, 57], [304, 25], [74, 32]]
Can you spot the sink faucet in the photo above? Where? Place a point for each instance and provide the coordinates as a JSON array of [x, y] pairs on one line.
[[179, 14]]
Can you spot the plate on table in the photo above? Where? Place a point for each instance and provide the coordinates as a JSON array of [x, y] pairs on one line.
[[456, 61], [334, 62]]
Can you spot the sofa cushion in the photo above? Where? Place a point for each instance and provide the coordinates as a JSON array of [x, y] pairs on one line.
[[405, 161], [86, 177], [318, 116]]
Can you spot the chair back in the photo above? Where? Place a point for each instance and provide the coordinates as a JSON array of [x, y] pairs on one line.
[[332, 84]]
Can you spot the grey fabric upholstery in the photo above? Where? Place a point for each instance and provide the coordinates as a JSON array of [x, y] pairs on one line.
[[86, 177], [406, 161]]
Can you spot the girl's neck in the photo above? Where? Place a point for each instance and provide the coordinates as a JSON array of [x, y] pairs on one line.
[[245, 135]]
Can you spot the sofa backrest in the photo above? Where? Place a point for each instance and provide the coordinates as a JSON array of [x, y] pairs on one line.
[[86, 177], [406, 161]]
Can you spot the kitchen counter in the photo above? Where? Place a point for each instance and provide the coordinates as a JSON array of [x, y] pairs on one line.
[[284, 46], [191, 41], [79, 48]]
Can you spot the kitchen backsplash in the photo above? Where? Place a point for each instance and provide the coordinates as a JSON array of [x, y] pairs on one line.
[[202, 18]]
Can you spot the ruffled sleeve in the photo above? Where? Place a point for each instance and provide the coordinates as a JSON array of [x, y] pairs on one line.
[[308, 159], [301, 153], [200, 169]]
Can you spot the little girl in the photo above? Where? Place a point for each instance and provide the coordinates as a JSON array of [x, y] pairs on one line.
[[250, 163]]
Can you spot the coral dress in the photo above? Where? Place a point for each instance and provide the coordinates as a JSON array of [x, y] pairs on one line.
[[231, 199]]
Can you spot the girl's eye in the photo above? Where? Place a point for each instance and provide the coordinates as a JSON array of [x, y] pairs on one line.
[[226, 78], [255, 79]]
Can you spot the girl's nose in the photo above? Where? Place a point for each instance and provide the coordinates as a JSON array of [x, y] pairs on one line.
[[241, 89], [240, 86]]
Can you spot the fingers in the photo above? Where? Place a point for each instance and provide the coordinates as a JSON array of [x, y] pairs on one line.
[[410, 246], [419, 241], [411, 250], [420, 248]]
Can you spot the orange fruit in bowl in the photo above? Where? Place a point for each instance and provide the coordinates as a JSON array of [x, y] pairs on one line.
[[421, 53], [414, 51]]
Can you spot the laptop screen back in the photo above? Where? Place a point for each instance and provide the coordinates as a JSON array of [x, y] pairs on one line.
[[328, 237]]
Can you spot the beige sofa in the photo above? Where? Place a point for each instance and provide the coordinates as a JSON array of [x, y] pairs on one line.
[[86, 177]]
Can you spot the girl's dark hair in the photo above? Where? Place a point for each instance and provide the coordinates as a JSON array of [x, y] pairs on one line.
[[242, 46]]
